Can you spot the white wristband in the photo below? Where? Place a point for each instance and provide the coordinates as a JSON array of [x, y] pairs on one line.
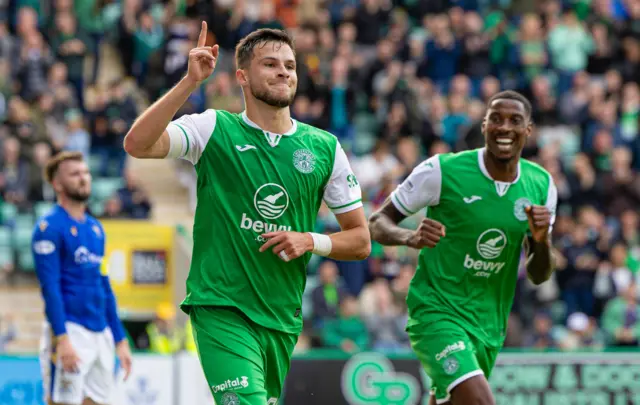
[[321, 244]]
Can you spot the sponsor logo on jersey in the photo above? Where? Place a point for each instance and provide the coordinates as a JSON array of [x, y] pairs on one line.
[[245, 148], [471, 199], [304, 161], [83, 256], [272, 401], [44, 247], [351, 180], [489, 245], [271, 201], [452, 348], [231, 385], [519, 206]]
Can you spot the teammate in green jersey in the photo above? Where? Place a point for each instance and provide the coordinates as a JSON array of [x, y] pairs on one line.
[[482, 206], [262, 177]]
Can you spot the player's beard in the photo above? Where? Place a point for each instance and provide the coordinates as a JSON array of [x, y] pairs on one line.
[[269, 99], [77, 195]]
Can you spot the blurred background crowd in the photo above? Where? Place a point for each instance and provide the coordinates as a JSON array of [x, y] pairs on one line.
[[397, 81]]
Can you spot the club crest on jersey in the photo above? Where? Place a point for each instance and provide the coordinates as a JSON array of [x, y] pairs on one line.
[[304, 161], [43, 225], [450, 365], [230, 398], [96, 230], [74, 231], [519, 206]]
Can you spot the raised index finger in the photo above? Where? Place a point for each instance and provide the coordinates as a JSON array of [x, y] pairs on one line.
[[202, 39]]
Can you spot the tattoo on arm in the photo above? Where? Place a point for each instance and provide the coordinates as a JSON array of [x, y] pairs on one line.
[[383, 225]]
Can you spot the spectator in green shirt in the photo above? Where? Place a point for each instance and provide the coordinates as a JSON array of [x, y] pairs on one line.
[[621, 318], [348, 332]]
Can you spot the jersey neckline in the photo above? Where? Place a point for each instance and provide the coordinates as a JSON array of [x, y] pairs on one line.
[[252, 124], [483, 168]]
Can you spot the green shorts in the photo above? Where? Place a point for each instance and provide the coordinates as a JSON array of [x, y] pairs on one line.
[[450, 355], [244, 363]]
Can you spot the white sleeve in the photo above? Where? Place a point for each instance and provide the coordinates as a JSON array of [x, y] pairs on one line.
[[552, 201], [421, 189], [342, 193], [189, 134]]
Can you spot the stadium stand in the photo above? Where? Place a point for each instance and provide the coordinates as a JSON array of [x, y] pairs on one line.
[[397, 81]]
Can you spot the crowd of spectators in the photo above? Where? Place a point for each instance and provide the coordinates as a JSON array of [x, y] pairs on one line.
[[51, 99], [397, 81]]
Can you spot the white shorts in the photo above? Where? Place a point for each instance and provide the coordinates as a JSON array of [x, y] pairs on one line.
[[95, 378]]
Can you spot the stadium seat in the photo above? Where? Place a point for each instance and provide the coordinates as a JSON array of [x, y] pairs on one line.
[[42, 208], [24, 221], [95, 162], [25, 259], [9, 212], [104, 188], [22, 236], [307, 303], [5, 236], [97, 208], [6, 256]]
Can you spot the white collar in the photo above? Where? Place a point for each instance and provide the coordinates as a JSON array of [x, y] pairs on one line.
[[252, 124], [484, 170]]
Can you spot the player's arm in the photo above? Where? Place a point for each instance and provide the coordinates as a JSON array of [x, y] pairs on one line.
[[149, 137], [540, 261], [419, 190], [46, 248], [112, 311], [113, 320], [343, 196]]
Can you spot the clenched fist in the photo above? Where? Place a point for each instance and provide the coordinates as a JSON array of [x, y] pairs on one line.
[[539, 222], [428, 234], [202, 59]]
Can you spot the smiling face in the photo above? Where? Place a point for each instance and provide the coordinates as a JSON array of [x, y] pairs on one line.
[[271, 76], [506, 127]]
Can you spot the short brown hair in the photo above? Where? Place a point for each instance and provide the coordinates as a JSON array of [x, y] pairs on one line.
[[244, 49], [54, 163]]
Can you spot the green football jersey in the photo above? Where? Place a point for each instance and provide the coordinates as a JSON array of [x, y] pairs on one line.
[[250, 182], [470, 276]]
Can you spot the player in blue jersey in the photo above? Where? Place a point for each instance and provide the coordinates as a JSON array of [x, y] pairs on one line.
[[83, 333]]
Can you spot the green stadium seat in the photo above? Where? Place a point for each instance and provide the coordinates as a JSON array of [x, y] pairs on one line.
[[97, 208], [5, 236], [307, 303], [25, 260], [42, 208], [9, 212], [24, 221], [22, 237], [104, 188], [94, 161], [6, 256]]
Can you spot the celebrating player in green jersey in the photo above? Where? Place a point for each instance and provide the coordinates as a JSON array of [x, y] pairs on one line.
[[482, 206], [262, 177]]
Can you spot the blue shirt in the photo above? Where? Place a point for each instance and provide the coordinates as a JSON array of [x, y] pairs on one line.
[[68, 256]]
